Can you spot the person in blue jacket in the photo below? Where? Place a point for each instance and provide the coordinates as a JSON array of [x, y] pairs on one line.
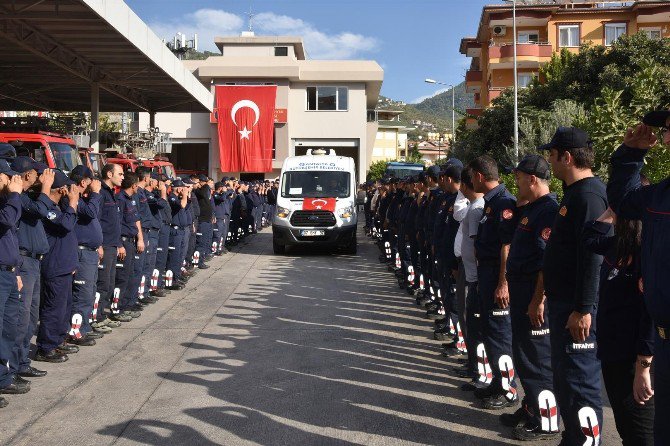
[[33, 245], [625, 330], [631, 200], [58, 266], [89, 242], [11, 186]]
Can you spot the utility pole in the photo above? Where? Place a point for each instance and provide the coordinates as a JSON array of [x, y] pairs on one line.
[[453, 105]]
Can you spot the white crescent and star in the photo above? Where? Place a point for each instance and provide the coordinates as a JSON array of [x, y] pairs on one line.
[[245, 103], [319, 201]]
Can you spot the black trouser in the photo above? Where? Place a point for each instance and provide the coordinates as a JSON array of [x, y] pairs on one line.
[[473, 332], [634, 423], [124, 276], [106, 280]]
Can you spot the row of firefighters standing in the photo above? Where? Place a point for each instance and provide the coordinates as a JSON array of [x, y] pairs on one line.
[[81, 255], [513, 287]]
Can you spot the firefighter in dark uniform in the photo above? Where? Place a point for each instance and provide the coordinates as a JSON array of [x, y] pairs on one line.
[[492, 247], [11, 186], [438, 275], [404, 248], [57, 268], [423, 298], [33, 244], [531, 347], [435, 202], [177, 200], [223, 206], [140, 299], [113, 250], [163, 242], [156, 193], [629, 199], [133, 241], [89, 240], [571, 275]]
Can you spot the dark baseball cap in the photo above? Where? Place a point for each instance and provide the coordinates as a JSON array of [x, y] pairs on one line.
[[202, 177], [22, 164], [40, 167], [6, 168], [567, 138], [657, 118], [83, 171], [535, 165], [60, 179], [7, 151], [433, 172], [177, 183]]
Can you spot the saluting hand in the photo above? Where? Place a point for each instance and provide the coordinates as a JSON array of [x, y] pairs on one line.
[[579, 326], [96, 185], [47, 179], [641, 137], [15, 184]]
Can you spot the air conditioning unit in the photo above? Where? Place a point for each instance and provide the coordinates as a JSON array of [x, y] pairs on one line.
[[499, 31]]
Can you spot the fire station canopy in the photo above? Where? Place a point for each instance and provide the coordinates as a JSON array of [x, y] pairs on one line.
[[54, 52]]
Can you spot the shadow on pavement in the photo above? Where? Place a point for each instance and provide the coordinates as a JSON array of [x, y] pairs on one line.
[[318, 350]]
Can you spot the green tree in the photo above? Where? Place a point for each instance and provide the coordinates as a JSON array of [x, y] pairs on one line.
[[376, 170]]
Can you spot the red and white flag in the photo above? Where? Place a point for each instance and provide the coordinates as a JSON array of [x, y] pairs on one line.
[[245, 117], [319, 204]]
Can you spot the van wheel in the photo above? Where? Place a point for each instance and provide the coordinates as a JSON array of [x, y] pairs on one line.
[[278, 248]]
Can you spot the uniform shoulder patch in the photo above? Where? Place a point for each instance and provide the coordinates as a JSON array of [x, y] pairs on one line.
[[507, 214], [546, 233], [563, 211], [488, 210], [51, 215], [524, 221]]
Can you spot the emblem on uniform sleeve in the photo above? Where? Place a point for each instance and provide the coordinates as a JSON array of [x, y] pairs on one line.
[[546, 233], [488, 210], [524, 221], [508, 214], [51, 215], [133, 202], [563, 211]]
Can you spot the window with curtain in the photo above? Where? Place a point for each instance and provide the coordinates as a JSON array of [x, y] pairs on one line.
[[613, 31], [568, 35]]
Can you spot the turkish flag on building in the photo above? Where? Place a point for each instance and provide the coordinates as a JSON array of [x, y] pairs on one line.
[[246, 127], [319, 204]]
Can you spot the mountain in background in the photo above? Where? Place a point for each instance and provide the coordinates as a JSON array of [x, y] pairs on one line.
[[435, 110]]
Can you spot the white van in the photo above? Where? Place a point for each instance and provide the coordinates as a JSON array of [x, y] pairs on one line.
[[316, 204]]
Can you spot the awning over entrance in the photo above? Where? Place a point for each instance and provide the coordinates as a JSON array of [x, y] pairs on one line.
[[54, 52]]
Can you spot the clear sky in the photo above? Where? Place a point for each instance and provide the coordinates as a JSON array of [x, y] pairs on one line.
[[410, 39]]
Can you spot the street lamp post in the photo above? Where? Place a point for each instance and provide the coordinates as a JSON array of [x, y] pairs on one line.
[[516, 84], [453, 105]]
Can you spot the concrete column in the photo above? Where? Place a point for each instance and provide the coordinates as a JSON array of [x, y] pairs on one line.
[[95, 116], [152, 119]]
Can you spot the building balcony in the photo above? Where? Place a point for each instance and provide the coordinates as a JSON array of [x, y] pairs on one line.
[[476, 112], [473, 81], [494, 93], [529, 55]]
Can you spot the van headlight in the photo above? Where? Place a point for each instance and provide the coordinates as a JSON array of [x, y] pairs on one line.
[[282, 212], [347, 212]]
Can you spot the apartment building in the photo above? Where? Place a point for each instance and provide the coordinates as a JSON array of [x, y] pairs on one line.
[[391, 139], [543, 28], [318, 103]]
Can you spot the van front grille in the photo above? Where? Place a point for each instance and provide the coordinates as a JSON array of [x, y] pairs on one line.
[[313, 219]]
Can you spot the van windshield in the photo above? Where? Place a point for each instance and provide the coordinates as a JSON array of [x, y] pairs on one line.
[[66, 157], [315, 184]]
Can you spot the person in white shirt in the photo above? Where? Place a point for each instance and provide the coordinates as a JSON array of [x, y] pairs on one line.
[[471, 328]]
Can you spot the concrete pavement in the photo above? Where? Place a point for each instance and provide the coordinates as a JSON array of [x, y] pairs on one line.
[[303, 349]]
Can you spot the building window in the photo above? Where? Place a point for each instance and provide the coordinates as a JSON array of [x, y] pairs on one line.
[[613, 31], [528, 37], [327, 98], [568, 35], [525, 80], [281, 51], [652, 33]]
